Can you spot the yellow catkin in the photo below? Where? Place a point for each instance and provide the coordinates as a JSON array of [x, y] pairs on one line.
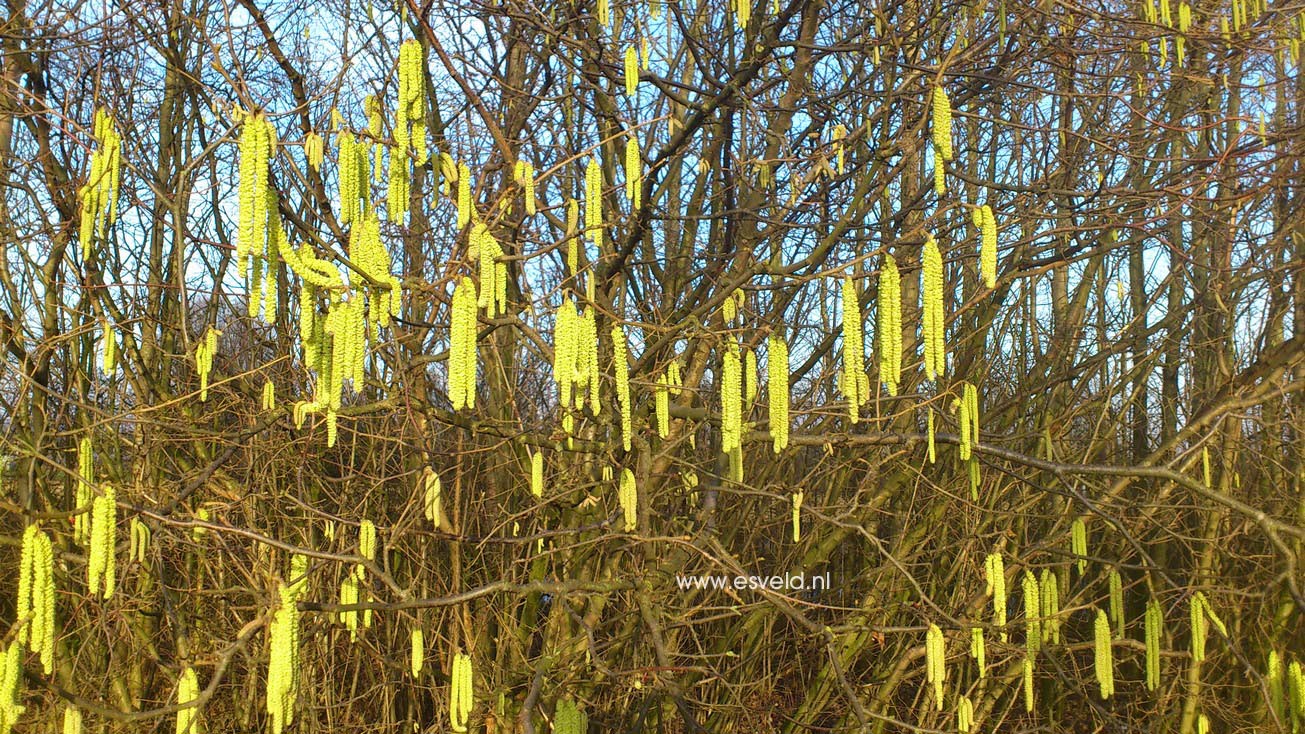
[[932, 447], [629, 500], [1103, 660], [662, 405], [35, 603], [140, 542], [631, 71], [204, 352], [411, 110], [749, 379], [1205, 467], [1116, 585], [1027, 670], [283, 660], [101, 568], [995, 575], [464, 195], [964, 715], [1199, 626], [935, 662], [988, 249], [462, 361], [777, 386], [852, 378], [493, 271], [11, 681], [594, 202], [797, 516], [99, 195], [742, 12], [398, 195], [431, 489], [537, 473], [257, 143], [367, 540], [1050, 607], [1078, 543], [890, 324], [72, 720], [573, 241], [417, 657], [1296, 684], [633, 172], [942, 123], [587, 359], [604, 13], [840, 152], [731, 410], [85, 481], [524, 174], [1032, 615], [269, 395], [461, 692], [1154, 633], [314, 150], [977, 650], [621, 368], [931, 291], [108, 346], [188, 691]]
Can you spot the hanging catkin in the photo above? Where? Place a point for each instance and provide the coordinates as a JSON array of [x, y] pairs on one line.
[[72, 720], [977, 650], [890, 324], [99, 195], [628, 495], [935, 663], [1116, 585], [537, 473], [631, 71], [797, 516], [35, 604], [493, 271], [662, 406], [778, 389], [995, 575], [1078, 543], [964, 715], [931, 291], [594, 202], [1032, 615], [204, 352], [460, 692], [1103, 660], [187, 691], [101, 568], [633, 172], [1154, 633], [283, 662], [417, 655], [731, 411], [462, 360], [464, 195], [1050, 607], [852, 378], [942, 123], [621, 367], [431, 489], [988, 251]]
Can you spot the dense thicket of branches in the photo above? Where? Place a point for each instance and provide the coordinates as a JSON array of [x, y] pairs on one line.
[[1146, 314]]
